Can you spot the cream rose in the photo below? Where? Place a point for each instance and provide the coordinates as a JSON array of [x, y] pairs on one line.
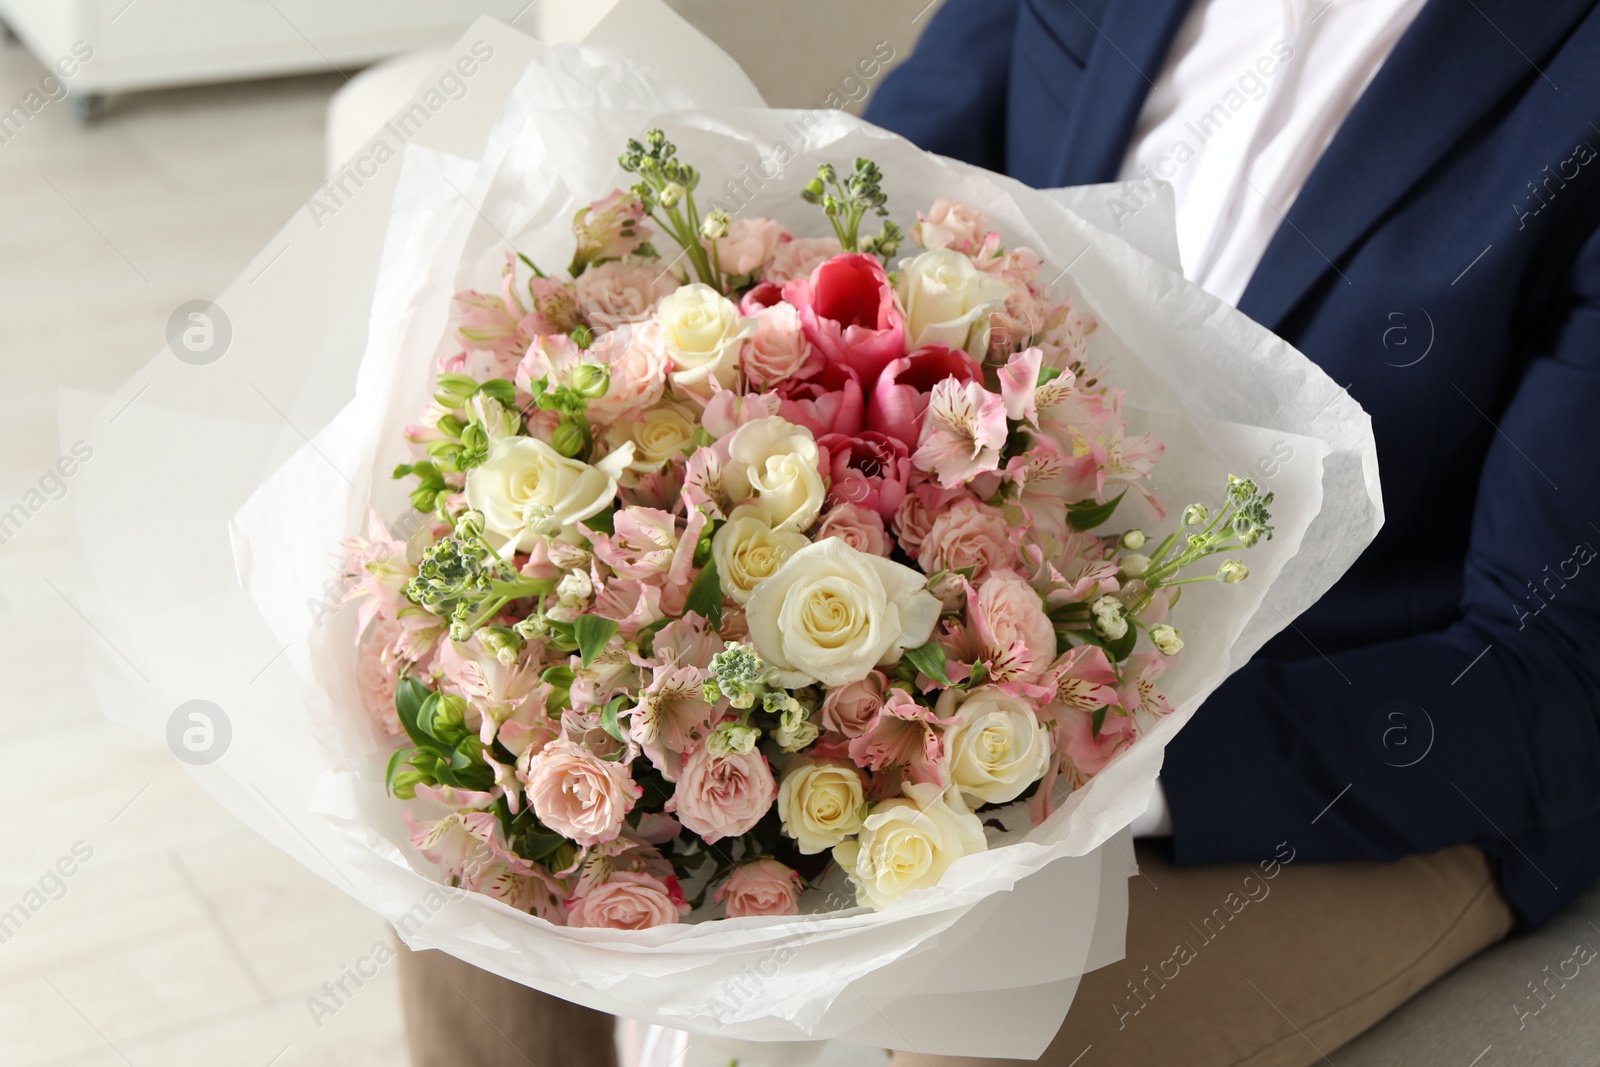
[[994, 744], [908, 843], [774, 469], [820, 802], [831, 614], [702, 332], [748, 552], [658, 435], [948, 301], [526, 489]]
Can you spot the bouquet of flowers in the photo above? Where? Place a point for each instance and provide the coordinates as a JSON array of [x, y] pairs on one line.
[[787, 552], [782, 548]]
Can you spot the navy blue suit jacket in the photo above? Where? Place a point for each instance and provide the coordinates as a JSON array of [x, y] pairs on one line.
[[1443, 260]]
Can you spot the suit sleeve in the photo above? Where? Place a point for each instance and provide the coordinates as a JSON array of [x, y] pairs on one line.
[[950, 96], [1510, 691]]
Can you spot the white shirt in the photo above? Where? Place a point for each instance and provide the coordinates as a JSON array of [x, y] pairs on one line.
[[1250, 95]]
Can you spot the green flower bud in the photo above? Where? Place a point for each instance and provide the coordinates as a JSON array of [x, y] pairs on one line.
[[1232, 571], [568, 438], [1133, 540], [469, 524], [1195, 514], [732, 737], [591, 380], [452, 390]]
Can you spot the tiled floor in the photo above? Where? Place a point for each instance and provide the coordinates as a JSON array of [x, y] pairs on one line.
[[180, 937]]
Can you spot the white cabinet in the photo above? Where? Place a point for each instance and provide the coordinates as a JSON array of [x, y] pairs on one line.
[[105, 46]]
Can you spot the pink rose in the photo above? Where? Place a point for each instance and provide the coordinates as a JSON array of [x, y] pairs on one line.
[[779, 350], [857, 526], [847, 310], [762, 887], [629, 900], [868, 468], [799, 256], [912, 520], [615, 293], [850, 709], [1016, 637], [575, 793], [377, 677], [966, 534], [636, 361], [949, 224], [900, 397], [723, 796], [748, 244]]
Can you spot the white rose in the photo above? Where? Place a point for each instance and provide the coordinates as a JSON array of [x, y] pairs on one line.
[[748, 551], [948, 301], [702, 332], [820, 802], [527, 490], [994, 744], [831, 614], [908, 843], [657, 435], [775, 467]]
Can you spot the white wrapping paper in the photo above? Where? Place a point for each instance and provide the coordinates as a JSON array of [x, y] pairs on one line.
[[231, 485]]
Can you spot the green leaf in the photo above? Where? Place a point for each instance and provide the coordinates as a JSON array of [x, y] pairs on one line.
[[409, 696], [559, 676], [1098, 721], [592, 632], [608, 716], [602, 522], [397, 759], [1086, 514], [705, 595], [929, 659]]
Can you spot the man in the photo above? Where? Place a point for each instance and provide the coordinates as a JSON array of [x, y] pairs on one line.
[[1409, 193]]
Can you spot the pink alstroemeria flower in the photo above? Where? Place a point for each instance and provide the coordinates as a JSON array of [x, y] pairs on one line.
[[904, 734], [963, 433], [900, 396]]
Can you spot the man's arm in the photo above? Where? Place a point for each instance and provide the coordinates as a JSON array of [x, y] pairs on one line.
[[1515, 729], [950, 96]]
